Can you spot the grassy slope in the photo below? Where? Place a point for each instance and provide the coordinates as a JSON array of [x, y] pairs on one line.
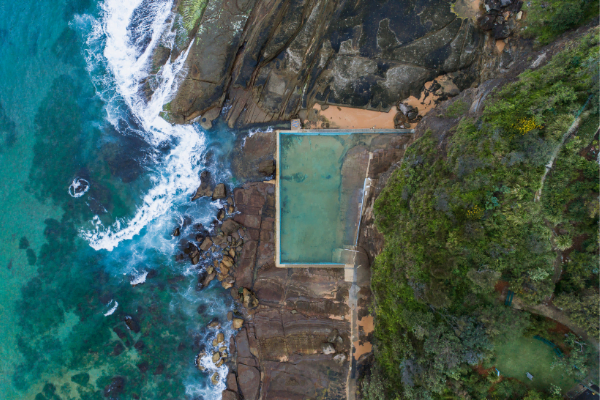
[[456, 220]]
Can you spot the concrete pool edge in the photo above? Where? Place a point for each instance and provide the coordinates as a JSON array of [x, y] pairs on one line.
[[316, 132]]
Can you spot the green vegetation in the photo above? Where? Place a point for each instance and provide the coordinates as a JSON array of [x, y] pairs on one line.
[[517, 357], [547, 19], [457, 109], [192, 11], [462, 211]]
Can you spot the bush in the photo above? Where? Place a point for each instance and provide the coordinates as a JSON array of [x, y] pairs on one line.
[[455, 220]]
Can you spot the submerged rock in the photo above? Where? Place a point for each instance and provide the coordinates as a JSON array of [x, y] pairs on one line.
[[132, 324], [115, 387]]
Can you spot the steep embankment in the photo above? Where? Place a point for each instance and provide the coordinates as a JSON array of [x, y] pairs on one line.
[[461, 223]]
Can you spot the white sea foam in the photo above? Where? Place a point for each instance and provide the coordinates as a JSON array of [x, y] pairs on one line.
[[125, 65], [78, 187], [139, 278], [113, 309], [118, 66], [254, 131]]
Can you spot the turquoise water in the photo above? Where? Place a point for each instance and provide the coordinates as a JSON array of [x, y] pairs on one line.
[[320, 189], [93, 183]]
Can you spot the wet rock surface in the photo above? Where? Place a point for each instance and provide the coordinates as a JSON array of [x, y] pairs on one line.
[[269, 59], [287, 314]]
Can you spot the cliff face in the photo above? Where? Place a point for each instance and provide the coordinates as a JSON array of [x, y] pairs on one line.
[[268, 59]]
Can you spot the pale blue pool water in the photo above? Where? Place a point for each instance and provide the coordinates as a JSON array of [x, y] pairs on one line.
[[320, 189]]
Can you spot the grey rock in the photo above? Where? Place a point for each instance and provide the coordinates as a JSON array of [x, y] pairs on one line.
[[205, 188], [327, 348]]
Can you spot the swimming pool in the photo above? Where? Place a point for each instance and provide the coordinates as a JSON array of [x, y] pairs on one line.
[[320, 184]]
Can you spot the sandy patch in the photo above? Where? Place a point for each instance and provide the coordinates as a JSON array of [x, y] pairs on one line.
[[366, 323], [350, 118], [500, 45]]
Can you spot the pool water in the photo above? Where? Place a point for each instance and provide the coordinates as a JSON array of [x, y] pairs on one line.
[[321, 183]]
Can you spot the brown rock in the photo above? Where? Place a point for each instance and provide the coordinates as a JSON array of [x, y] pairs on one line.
[[206, 244], [208, 279], [249, 300], [232, 382], [267, 167], [220, 337], [220, 192], [220, 240], [252, 221], [198, 359], [226, 284], [204, 190], [219, 363], [215, 357], [214, 325], [248, 381], [238, 323], [215, 378], [232, 253], [229, 227], [229, 316], [227, 261], [224, 269], [229, 395]]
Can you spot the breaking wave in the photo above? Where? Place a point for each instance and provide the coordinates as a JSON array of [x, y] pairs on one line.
[[119, 55]]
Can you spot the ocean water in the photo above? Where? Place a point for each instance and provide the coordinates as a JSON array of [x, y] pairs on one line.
[[93, 182]]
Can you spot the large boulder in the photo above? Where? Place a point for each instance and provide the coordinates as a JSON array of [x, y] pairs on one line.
[[205, 188], [220, 192], [248, 381], [229, 395], [229, 227]]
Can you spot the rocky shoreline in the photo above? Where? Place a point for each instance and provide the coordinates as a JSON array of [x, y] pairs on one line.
[[295, 337], [304, 59]]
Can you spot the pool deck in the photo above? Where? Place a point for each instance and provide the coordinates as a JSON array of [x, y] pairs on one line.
[[354, 261]]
